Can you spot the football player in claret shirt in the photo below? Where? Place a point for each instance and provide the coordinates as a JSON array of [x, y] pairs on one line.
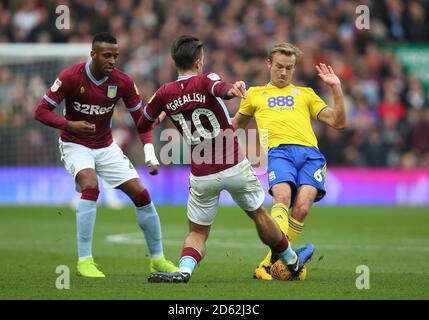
[[194, 104], [91, 91], [296, 167]]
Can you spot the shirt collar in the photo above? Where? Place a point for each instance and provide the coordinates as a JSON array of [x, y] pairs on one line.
[[185, 77], [91, 77]]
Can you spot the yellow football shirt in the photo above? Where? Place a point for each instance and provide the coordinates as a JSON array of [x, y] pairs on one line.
[[283, 115]]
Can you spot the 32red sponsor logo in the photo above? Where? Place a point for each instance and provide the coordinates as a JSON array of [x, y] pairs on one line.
[[92, 109]]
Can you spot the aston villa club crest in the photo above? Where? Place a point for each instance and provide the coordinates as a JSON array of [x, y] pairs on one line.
[[111, 91]]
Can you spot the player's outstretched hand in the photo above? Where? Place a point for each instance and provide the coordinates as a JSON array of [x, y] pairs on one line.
[[82, 128], [238, 90], [327, 74]]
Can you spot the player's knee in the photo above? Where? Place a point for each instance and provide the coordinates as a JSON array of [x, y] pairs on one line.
[[282, 197], [282, 193], [142, 198], [300, 211], [90, 194], [199, 230], [88, 184], [257, 213]]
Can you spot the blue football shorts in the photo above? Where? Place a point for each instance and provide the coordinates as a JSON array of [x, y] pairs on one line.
[[297, 165]]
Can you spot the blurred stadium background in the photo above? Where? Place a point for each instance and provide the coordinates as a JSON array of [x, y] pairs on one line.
[[385, 74], [382, 158]]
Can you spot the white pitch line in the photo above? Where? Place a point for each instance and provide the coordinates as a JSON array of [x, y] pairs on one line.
[[228, 242], [137, 238]]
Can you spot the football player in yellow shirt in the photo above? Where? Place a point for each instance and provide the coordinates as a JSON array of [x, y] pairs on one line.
[[296, 167]]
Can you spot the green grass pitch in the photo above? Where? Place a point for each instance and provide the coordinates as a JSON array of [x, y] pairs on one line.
[[392, 242]]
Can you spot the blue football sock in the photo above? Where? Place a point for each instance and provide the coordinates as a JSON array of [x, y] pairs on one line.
[[148, 220], [187, 264], [289, 256], [85, 221]]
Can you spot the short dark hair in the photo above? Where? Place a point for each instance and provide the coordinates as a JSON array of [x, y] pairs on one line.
[[104, 37], [185, 51]]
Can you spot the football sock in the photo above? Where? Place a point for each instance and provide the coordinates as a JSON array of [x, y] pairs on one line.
[[85, 221], [289, 256], [189, 259], [280, 214], [284, 250], [148, 220], [295, 229]]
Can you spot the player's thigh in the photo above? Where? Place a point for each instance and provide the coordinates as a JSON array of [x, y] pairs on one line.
[[281, 169], [113, 166], [76, 158], [313, 173], [306, 196], [203, 200], [245, 188]]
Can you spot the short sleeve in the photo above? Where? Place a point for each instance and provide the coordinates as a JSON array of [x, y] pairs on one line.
[[216, 86], [212, 80], [246, 106], [316, 104]]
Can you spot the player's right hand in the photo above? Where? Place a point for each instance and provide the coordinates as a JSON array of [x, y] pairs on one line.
[[155, 168], [238, 90], [82, 128], [151, 159]]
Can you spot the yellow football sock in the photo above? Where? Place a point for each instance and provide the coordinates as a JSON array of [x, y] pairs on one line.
[[280, 214], [295, 229]]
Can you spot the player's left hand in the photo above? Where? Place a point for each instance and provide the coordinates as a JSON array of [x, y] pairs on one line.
[[327, 74], [151, 159], [238, 90]]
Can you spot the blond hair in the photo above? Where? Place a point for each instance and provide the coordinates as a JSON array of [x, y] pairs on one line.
[[285, 48]]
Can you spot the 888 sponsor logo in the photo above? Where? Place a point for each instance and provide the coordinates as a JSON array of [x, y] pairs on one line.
[[282, 101]]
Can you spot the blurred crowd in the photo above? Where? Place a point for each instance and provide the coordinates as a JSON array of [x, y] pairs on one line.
[[387, 108]]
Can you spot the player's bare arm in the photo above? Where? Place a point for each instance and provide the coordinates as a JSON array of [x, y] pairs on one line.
[[334, 117], [239, 90], [240, 121]]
